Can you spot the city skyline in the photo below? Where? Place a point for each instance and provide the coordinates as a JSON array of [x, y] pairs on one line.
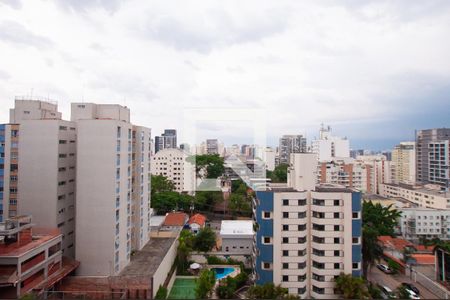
[[374, 71]]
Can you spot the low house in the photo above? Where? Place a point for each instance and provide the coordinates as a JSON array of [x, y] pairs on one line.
[[237, 236], [197, 222], [174, 220]]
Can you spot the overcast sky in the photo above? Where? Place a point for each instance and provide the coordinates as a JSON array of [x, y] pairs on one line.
[[373, 70]]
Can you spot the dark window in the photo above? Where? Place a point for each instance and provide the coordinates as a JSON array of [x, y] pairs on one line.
[[302, 227], [266, 265], [285, 278], [267, 214], [285, 240], [285, 266], [355, 240], [302, 215], [337, 253], [355, 215], [318, 227], [301, 278], [337, 202], [285, 214], [337, 215], [285, 227], [302, 240], [301, 265], [301, 252], [285, 252], [337, 240], [302, 202], [285, 202], [337, 265], [267, 240], [355, 265], [336, 228]]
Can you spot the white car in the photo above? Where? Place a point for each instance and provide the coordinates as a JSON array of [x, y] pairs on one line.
[[412, 295]]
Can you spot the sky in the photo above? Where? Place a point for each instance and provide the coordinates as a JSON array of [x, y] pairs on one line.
[[375, 71]]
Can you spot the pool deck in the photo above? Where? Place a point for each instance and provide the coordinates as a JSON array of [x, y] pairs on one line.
[[237, 269]]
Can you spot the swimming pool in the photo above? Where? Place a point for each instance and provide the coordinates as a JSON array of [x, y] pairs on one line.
[[223, 272]]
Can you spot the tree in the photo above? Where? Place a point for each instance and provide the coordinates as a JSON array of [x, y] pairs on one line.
[[227, 288], [205, 283], [164, 202], [402, 292], [208, 165], [161, 294], [393, 265], [375, 292], [267, 291], [185, 242], [351, 287], [205, 200], [371, 250], [205, 240], [279, 174], [159, 183], [239, 205]]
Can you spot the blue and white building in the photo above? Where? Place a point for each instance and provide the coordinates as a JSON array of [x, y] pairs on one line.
[[307, 234]]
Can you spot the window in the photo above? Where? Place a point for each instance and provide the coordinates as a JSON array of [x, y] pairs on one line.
[[301, 265], [355, 240], [318, 265], [337, 228], [285, 266], [62, 142], [318, 277], [285, 227], [285, 214], [318, 252], [266, 215], [302, 240], [319, 215], [285, 202], [318, 290], [301, 252], [355, 266], [301, 278], [285, 278], [301, 202], [318, 227], [355, 215], [337, 253], [301, 215], [336, 202], [266, 266], [337, 240], [319, 240], [337, 266], [267, 240], [301, 290], [318, 202], [337, 215], [118, 132], [285, 240], [62, 155], [62, 127], [301, 227], [285, 252]]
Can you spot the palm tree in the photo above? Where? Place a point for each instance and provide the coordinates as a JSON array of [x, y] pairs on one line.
[[351, 287], [371, 250]]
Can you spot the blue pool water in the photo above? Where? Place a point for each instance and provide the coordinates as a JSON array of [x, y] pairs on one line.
[[222, 272]]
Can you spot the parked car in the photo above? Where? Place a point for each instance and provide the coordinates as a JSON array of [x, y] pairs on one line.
[[413, 295], [385, 269], [386, 292], [411, 287]]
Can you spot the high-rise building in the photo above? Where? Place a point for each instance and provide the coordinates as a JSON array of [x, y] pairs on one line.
[[433, 156], [39, 167], [269, 158], [172, 164], [328, 147], [379, 171], [307, 234], [346, 172], [212, 146], [167, 140], [290, 144], [112, 187], [404, 163]]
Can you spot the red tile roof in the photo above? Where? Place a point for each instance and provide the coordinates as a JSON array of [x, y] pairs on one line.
[[395, 243], [423, 259], [423, 248], [175, 219], [198, 219]]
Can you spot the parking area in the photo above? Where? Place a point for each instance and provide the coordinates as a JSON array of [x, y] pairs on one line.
[[394, 281]]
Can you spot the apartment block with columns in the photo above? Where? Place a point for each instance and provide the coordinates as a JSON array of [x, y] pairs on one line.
[[307, 234]]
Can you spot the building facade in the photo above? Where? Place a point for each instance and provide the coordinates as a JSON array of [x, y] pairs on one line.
[[237, 236], [172, 164], [106, 203], [290, 144], [328, 147], [307, 234], [433, 156], [348, 173], [404, 163], [168, 140], [424, 223], [421, 196]]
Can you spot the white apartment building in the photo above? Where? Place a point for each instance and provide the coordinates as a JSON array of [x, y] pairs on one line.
[[346, 172], [307, 234], [105, 198], [237, 236], [269, 158], [423, 196], [379, 171], [328, 147], [39, 168], [416, 223], [172, 164], [404, 163]]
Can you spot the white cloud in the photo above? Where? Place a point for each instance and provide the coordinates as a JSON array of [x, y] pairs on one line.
[[305, 63]]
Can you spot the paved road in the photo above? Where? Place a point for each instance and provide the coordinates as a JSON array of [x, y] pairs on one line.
[[393, 281]]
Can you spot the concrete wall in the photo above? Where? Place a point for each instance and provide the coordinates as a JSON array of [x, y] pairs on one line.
[[164, 268], [234, 245]]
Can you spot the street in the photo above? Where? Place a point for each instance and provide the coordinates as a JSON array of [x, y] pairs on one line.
[[393, 282]]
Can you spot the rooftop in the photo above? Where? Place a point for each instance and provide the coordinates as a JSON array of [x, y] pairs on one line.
[[332, 188], [175, 219], [421, 189], [146, 261], [198, 219], [238, 227]]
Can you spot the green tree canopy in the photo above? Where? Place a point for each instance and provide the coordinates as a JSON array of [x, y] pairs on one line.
[[279, 174], [240, 205], [267, 291], [205, 239], [351, 287], [185, 244], [205, 283], [208, 165], [159, 183], [164, 202]]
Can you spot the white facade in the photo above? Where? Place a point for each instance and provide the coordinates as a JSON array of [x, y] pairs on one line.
[[379, 171], [269, 158], [302, 171], [404, 163], [345, 172], [40, 156], [328, 147], [237, 236], [416, 223], [172, 164], [105, 202], [422, 196]]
